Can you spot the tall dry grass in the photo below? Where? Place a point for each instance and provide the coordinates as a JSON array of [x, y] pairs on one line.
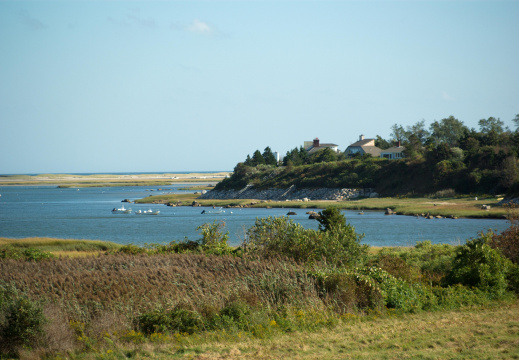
[[130, 285]]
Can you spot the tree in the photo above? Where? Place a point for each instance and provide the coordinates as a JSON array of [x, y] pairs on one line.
[[449, 131], [491, 125], [398, 133], [381, 143], [419, 131], [516, 122], [331, 217], [324, 155], [257, 158], [269, 157]]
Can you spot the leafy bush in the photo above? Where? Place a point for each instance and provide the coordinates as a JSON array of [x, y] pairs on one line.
[[180, 319], [478, 265], [434, 261], [281, 236], [214, 240], [21, 320], [132, 249], [31, 254], [330, 217], [508, 240]]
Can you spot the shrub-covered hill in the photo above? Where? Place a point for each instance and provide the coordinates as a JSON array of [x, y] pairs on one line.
[[387, 177]]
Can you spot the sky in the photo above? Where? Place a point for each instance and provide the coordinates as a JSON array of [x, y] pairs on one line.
[[165, 86]]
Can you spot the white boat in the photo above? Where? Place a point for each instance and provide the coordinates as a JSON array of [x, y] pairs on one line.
[[147, 212], [121, 210]]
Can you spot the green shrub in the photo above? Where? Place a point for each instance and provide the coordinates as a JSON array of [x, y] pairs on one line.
[[281, 236], [180, 319], [31, 254], [478, 265], [214, 240], [131, 249], [21, 320]]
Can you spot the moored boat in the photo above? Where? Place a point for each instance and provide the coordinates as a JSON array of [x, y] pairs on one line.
[[121, 210], [147, 212]]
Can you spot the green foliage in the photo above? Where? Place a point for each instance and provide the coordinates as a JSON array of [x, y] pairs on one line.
[[508, 241], [21, 320], [30, 254], [214, 240], [331, 217], [281, 236], [180, 319], [433, 261], [131, 249], [478, 265]]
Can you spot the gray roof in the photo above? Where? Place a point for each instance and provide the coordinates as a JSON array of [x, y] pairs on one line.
[[394, 149]]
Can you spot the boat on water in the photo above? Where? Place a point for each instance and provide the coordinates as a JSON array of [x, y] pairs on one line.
[[147, 212], [121, 210]]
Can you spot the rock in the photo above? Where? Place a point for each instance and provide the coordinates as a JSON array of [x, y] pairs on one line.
[[127, 201], [291, 213], [313, 215], [389, 212], [485, 207]]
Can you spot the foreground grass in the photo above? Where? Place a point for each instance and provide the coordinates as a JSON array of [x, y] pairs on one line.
[[462, 207], [470, 333]]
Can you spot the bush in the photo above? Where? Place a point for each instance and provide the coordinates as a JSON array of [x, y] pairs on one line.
[[331, 217], [131, 249], [478, 265], [21, 321], [214, 240], [282, 237], [180, 319], [508, 241], [31, 254]]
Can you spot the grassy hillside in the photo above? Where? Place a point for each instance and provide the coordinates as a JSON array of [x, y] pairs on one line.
[[387, 177]]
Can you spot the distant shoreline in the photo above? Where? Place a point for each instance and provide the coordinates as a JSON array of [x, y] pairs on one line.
[[117, 179]]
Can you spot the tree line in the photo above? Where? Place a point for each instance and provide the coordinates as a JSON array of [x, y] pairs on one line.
[[446, 154]]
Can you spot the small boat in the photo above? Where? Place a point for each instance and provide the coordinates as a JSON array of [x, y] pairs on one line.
[[147, 212], [121, 210]]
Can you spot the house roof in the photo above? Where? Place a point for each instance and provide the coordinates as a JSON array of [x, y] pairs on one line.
[[372, 150], [365, 142], [313, 149], [394, 149]]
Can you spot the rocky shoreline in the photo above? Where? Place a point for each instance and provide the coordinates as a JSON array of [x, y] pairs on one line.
[[290, 194]]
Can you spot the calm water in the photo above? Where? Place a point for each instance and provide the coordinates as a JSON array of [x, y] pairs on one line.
[[47, 211]]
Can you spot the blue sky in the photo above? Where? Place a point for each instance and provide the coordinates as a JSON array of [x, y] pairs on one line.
[[115, 86]]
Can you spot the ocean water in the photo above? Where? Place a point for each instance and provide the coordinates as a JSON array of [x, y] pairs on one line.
[[85, 213]]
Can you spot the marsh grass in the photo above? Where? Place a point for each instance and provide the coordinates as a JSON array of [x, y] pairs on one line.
[[61, 246]]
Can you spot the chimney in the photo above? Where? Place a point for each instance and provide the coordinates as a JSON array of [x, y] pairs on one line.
[[316, 143], [398, 143], [361, 137]]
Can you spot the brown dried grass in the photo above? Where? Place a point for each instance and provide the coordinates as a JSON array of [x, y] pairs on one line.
[[129, 285]]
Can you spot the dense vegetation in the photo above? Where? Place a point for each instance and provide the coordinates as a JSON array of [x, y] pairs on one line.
[[447, 155], [284, 278]]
